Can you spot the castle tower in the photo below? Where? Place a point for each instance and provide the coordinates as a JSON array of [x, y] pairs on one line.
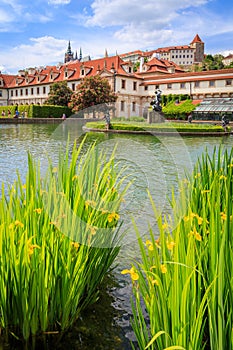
[[198, 45], [69, 56]]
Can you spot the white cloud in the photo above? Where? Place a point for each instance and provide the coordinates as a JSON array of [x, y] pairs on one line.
[[41, 51], [121, 12], [59, 2], [5, 17], [153, 24]]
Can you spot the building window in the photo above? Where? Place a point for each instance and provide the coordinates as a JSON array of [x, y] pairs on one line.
[[182, 85], [51, 77], [169, 86], [196, 84], [134, 85], [228, 82], [16, 92], [38, 78], [32, 92], [0, 93], [73, 87], [156, 87], [133, 106], [130, 69], [38, 90], [82, 72], [44, 90], [21, 92], [146, 88], [11, 93], [211, 83], [123, 83], [26, 92], [122, 106], [66, 74]]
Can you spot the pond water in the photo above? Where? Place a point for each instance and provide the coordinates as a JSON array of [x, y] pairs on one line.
[[155, 164]]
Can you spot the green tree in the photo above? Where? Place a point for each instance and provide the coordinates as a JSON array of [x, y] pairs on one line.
[[90, 92], [59, 94], [212, 62]]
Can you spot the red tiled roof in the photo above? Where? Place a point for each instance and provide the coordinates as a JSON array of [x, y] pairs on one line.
[[196, 102], [160, 65], [169, 48], [196, 39], [7, 79], [93, 67], [228, 57], [137, 52], [190, 77]]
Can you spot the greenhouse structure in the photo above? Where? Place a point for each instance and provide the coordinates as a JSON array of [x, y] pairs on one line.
[[214, 109]]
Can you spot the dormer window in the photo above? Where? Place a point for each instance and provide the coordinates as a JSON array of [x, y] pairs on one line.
[[82, 72], [38, 78], [130, 69], [51, 76], [66, 74]]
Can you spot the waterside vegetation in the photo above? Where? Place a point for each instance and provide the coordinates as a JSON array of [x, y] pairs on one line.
[[182, 286], [59, 236]]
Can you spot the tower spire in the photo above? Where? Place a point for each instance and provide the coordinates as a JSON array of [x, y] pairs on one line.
[[69, 56], [80, 55], [69, 48]]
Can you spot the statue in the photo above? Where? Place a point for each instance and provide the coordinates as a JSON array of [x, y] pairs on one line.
[[156, 102]]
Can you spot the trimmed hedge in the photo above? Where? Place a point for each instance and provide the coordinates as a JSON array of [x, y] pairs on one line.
[[37, 111], [49, 111], [179, 110], [163, 127]]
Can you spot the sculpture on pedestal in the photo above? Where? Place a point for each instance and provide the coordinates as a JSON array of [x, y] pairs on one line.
[[156, 102]]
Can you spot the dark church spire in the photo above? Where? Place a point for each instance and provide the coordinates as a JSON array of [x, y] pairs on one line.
[[69, 56], [69, 49], [80, 55]]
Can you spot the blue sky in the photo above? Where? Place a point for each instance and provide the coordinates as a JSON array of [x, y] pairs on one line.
[[36, 32]]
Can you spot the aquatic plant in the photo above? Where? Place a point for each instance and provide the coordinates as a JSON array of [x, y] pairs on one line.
[[183, 284], [59, 236]]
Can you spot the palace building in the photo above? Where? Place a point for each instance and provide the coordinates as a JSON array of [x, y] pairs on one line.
[[183, 55], [134, 89]]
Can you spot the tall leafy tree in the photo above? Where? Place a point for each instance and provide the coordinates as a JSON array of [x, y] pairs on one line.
[[59, 94], [90, 92], [212, 62]]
